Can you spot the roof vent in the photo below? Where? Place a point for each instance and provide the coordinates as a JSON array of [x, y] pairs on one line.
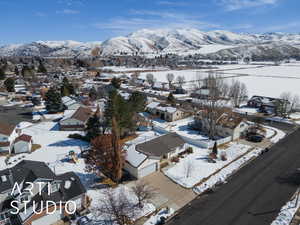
[[68, 184], [3, 178]]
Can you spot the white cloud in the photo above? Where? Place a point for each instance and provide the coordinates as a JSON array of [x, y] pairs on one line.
[[170, 3], [153, 20], [232, 5], [68, 12]]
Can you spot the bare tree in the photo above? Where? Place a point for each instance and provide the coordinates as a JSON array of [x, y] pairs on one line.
[[283, 105], [143, 192], [134, 77], [170, 78], [115, 207], [188, 169], [295, 102], [237, 92], [180, 80], [150, 79], [213, 105]]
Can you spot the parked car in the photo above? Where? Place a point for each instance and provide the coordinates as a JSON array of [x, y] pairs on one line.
[[255, 138], [83, 221]]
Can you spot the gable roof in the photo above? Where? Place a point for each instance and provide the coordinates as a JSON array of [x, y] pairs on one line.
[[23, 137], [81, 114], [229, 120], [6, 129], [161, 145], [24, 170]]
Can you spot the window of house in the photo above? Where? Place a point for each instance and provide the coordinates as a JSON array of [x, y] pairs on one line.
[[55, 186]]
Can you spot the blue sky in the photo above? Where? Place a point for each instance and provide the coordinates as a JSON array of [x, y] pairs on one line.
[[96, 20]]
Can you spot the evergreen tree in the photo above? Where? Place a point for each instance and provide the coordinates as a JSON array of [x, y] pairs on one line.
[[42, 68], [93, 127], [67, 88], [93, 94], [215, 149], [28, 72], [116, 82], [9, 84], [137, 101], [53, 101], [2, 74], [16, 70], [171, 99], [120, 109]]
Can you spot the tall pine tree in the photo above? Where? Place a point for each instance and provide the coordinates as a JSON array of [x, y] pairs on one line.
[[53, 101]]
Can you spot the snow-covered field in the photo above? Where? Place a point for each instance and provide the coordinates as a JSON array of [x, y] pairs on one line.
[[200, 168], [270, 86]]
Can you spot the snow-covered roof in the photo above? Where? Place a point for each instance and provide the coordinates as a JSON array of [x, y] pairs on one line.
[[134, 157], [153, 105]]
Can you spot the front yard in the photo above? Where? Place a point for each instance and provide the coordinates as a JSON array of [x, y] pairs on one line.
[[195, 167]]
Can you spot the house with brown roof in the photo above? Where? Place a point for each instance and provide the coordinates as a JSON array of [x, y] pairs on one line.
[[230, 124], [227, 125], [22, 144], [76, 121], [8, 134]]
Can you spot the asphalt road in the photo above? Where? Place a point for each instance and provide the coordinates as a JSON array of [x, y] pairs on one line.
[[254, 195]]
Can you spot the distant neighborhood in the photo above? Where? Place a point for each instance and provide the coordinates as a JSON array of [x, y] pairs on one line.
[[126, 143]]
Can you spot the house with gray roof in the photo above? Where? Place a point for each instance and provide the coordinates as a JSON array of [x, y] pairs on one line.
[[144, 158], [56, 188]]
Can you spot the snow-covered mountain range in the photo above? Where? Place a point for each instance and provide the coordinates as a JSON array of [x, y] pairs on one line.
[[162, 41]]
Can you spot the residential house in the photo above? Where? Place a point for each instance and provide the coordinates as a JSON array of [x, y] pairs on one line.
[[268, 104], [230, 124], [46, 187], [76, 120], [8, 133], [145, 158], [165, 112], [70, 103], [227, 125], [22, 143]]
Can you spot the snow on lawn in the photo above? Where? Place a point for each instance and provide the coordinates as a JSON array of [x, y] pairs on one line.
[[166, 213], [99, 198], [287, 213], [200, 168], [279, 134], [221, 176], [55, 145], [246, 110], [295, 116]]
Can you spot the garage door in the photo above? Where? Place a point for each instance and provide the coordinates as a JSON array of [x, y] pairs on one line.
[[48, 220], [147, 170]]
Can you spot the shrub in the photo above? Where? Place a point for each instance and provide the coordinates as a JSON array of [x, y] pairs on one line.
[[164, 164], [77, 136], [175, 159], [189, 150]]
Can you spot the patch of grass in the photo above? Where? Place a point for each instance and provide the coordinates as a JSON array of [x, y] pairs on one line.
[[35, 147]]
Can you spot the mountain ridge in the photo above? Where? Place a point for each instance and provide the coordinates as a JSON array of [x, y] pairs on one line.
[[159, 41]]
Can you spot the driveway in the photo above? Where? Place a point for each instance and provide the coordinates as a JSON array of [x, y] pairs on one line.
[[169, 193]]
